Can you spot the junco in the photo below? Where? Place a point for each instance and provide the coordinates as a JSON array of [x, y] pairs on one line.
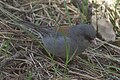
[[75, 42]]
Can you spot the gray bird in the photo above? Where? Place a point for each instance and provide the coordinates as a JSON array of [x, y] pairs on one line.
[[77, 39]]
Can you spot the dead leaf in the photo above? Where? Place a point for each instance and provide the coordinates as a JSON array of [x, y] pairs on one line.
[[105, 28]]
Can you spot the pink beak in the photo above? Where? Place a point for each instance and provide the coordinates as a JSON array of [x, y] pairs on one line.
[[94, 41]]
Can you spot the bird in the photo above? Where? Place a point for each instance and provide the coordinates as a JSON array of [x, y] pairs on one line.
[[77, 39]]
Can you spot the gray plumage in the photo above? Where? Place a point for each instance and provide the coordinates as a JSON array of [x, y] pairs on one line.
[[76, 41]]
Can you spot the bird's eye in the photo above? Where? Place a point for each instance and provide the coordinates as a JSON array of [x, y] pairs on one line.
[[88, 38]]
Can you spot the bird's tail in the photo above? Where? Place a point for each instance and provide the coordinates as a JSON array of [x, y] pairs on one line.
[[28, 24], [35, 29]]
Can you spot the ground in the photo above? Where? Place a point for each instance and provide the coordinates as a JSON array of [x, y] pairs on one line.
[[22, 56]]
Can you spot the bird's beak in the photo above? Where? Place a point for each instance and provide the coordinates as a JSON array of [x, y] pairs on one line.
[[94, 41]]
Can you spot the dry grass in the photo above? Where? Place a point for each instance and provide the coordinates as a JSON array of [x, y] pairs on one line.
[[22, 56]]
